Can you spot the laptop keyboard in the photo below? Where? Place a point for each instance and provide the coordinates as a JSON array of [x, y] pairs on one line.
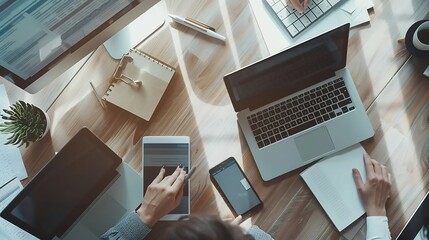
[[301, 112], [296, 22]]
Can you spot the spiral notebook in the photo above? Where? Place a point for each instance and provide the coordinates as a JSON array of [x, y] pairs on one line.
[[138, 83]]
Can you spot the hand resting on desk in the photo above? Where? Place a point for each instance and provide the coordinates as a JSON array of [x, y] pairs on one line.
[[375, 192]]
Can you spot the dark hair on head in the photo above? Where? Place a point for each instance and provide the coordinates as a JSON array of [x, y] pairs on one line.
[[204, 227]]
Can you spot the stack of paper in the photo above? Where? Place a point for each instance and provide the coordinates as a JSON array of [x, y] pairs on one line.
[[11, 164], [277, 38], [12, 170]]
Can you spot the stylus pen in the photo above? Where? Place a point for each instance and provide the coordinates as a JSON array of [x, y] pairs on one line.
[[188, 176], [200, 27]]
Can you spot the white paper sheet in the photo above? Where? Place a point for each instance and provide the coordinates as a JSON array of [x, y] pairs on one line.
[[11, 163]]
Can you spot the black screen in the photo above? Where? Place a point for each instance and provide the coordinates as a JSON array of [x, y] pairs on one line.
[[289, 71], [64, 188], [418, 226]]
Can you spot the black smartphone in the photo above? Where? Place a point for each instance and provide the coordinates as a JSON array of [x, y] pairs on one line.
[[234, 187]]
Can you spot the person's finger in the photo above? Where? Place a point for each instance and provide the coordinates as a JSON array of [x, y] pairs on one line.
[[173, 176], [160, 175], [390, 178], [237, 220], [305, 4], [178, 184], [358, 179], [178, 197], [377, 168], [295, 4], [369, 167], [300, 5], [299, 8], [385, 173]]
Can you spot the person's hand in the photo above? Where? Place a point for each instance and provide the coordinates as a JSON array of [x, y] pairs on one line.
[[299, 5], [244, 225], [375, 192], [162, 196], [237, 220], [234, 221]]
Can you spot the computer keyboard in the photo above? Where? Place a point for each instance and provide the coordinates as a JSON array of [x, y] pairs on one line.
[[296, 22], [301, 112]]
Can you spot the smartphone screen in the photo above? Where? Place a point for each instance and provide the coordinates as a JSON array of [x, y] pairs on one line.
[[234, 187], [169, 155]]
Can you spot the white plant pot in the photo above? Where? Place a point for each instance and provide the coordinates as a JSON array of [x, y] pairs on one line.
[[48, 123]]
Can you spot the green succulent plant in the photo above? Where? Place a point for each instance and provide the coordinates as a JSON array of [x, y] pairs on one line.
[[25, 122]]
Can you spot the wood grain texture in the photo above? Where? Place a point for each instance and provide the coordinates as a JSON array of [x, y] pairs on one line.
[[196, 104], [400, 117], [374, 54]]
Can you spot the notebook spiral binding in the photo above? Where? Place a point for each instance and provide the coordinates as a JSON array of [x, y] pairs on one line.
[[145, 55], [108, 91]]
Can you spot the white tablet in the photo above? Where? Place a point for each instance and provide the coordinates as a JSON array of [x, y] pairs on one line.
[[170, 152]]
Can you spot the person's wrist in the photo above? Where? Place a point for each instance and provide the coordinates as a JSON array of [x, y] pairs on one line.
[[376, 212], [246, 224], [146, 217]]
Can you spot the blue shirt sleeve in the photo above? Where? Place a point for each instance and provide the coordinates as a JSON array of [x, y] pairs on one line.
[[258, 234], [129, 228]]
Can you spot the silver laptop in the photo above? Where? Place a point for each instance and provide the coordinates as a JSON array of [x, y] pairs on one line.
[[81, 193], [299, 105]]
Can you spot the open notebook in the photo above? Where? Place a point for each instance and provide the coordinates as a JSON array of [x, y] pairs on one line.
[[139, 83], [332, 183]]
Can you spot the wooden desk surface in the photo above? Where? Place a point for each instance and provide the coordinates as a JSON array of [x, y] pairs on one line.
[[196, 104]]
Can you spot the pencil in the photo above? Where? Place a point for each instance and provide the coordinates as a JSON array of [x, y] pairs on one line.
[[96, 94]]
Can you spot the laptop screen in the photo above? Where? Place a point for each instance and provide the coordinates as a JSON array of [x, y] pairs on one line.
[[417, 227], [64, 188], [289, 71]]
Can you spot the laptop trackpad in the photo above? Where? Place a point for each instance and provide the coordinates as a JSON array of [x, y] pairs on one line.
[[314, 143]]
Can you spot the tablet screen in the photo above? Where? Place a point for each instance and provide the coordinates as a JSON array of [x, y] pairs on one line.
[[169, 155]]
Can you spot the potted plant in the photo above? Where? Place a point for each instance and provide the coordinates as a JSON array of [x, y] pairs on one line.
[[25, 122]]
